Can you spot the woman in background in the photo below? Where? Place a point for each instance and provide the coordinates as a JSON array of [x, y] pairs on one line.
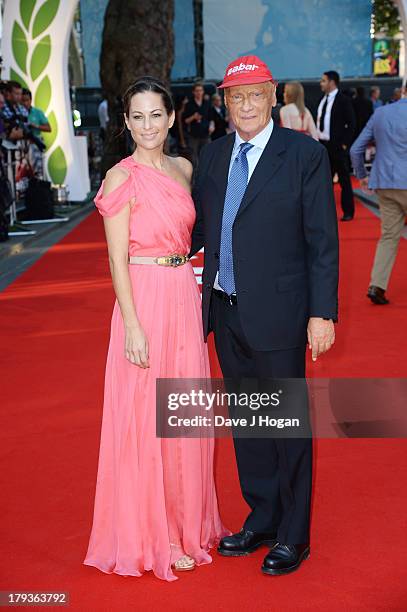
[[295, 115]]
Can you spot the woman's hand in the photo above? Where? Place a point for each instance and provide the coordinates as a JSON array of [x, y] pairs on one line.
[[136, 346]]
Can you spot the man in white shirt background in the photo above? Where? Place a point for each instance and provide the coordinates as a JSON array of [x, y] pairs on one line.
[[336, 124], [103, 114]]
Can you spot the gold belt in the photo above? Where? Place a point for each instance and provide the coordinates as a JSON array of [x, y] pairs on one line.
[[173, 260]]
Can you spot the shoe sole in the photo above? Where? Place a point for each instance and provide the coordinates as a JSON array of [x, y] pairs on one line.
[[287, 570], [238, 553], [377, 301]]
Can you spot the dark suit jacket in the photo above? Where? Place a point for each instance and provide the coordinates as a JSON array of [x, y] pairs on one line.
[[220, 123], [363, 108], [285, 241], [343, 121]]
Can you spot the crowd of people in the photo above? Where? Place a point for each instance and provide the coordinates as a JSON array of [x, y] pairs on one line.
[[21, 146]]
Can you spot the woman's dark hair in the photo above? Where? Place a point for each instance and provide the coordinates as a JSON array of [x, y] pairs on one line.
[[148, 83]]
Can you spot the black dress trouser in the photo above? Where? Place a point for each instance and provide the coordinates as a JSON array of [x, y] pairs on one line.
[[275, 473], [339, 160]]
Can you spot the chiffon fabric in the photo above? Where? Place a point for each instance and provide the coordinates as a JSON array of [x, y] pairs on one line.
[[155, 498]]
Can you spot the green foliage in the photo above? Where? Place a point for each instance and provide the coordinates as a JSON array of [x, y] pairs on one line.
[[20, 46], [57, 166], [26, 11], [386, 18], [49, 137], [40, 57], [43, 94], [44, 17]]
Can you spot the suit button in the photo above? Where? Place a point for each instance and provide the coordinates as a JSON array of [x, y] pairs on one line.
[[216, 255], [243, 290]]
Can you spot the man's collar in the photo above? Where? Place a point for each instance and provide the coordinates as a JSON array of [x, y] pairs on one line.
[[257, 141], [333, 92]]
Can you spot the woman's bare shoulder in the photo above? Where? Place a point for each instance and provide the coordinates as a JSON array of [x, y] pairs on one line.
[[115, 177], [184, 166]]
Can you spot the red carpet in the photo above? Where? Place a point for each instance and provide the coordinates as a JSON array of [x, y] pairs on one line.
[[54, 330]]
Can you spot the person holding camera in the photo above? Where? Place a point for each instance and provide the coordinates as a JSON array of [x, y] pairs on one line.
[[16, 117], [13, 113], [37, 123]]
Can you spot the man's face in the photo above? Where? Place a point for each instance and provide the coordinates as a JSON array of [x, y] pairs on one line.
[[217, 101], [16, 94], [199, 91], [250, 107], [26, 101], [326, 85]]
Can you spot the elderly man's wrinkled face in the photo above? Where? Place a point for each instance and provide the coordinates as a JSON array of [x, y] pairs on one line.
[[250, 107]]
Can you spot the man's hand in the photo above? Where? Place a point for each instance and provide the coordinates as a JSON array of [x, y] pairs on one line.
[[321, 336]]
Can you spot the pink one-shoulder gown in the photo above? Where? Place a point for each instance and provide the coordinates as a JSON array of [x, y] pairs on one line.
[[155, 497]]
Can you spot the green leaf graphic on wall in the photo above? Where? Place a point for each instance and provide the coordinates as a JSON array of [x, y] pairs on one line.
[[43, 94], [26, 11], [32, 24], [45, 17], [40, 57], [14, 76], [49, 137], [19, 46], [57, 166]]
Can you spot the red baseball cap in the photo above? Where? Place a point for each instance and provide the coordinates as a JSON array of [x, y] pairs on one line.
[[246, 70]]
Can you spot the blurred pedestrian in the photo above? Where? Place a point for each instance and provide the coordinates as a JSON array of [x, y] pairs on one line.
[[336, 127], [196, 120], [218, 121], [103, 115], [295, 114], [388, 128], [363, 108], [375, 97], [396, 95]]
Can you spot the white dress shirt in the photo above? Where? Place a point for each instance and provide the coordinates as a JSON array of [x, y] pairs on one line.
[[259, 143], [325, 135], [103, 114]]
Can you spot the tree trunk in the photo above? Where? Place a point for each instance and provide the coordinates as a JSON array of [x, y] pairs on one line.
[[138, 39]]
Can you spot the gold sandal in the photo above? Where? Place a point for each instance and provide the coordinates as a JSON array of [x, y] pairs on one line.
[[184, 564]]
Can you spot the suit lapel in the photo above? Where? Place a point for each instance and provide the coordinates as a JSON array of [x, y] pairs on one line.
[[221, 167], [269, 163]]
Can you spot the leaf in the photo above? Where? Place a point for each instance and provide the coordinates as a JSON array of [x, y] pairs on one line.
[[26, 11], [44, 17], [57, 166], [42, 96], [14, 76], [49, 137], [19, 46], [40, 57]]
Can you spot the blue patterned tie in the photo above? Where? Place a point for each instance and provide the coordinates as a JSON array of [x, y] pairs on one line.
[[237, 184]]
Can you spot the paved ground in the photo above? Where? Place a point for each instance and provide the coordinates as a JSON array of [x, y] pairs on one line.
[[19, 252]]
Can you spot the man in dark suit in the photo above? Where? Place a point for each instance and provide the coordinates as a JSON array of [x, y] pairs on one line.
[[266, 217], [336, 125]]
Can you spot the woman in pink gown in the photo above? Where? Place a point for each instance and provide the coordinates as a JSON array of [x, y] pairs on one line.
[[155, 505]]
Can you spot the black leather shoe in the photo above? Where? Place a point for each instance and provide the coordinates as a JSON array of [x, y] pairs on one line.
[[244, 543], [284, 558], [347, 218], [376, 294]]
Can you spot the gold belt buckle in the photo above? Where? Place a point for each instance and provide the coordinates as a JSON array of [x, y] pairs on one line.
[[173, 260]]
